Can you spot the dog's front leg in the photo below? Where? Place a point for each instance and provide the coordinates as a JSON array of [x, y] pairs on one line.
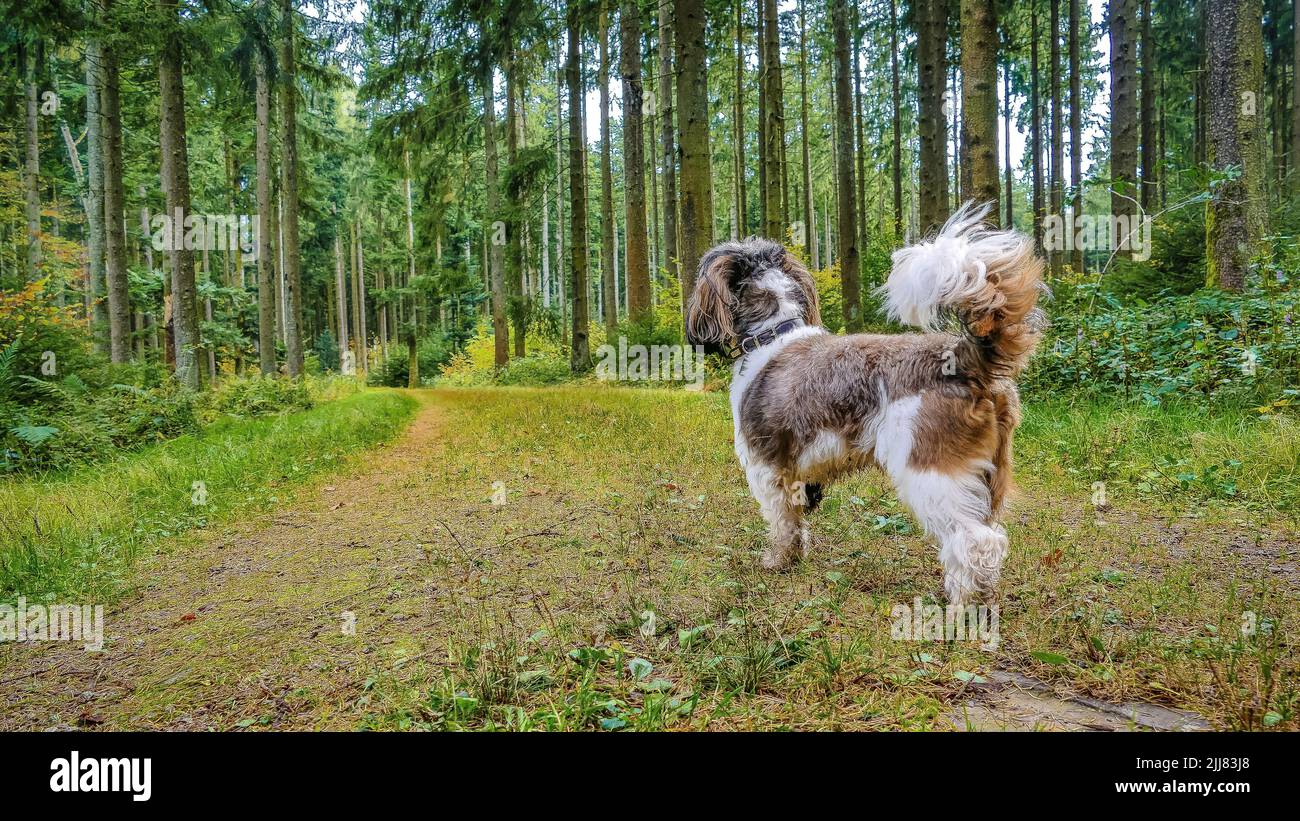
[[786, 535]]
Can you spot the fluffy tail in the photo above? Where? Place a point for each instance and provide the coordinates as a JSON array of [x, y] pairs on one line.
[[989, 279]]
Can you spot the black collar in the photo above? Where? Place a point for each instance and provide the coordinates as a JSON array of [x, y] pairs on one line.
[[752, 343]]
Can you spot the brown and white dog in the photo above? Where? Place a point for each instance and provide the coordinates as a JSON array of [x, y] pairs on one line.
[[935, 411]]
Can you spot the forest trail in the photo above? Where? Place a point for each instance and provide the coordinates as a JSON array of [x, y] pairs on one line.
[[517, 553]]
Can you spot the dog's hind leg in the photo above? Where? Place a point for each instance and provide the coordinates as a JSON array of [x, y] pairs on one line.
[[788, 536]]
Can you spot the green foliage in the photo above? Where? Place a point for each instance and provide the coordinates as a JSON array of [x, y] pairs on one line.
[[327, 351], [432, 351]]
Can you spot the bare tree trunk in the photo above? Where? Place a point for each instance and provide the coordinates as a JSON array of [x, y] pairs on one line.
[[850, 275], [1123, 112], [693, 111], [172, 141], [516, 293], [1076, 124], [32, 170], [738, 125], [1035, 124], [579, 350], [634, 212], [809, 216], [979, 101], [341, 296], [608, 283], [665, 107], [1006, 139], [932, 68], [898, 119], [265, 272], [493, 226], [1295, 100], [773, 123], [96, 310], [289, 189], [1236, 218], [1147, 128], [410, 242], [1058, 133], [363, 332], [110, 132]]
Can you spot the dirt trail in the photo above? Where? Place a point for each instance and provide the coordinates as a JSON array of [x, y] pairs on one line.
[[249, 624]]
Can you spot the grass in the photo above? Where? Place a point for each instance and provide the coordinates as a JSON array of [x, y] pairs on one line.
[[76, 536], [641, 606]]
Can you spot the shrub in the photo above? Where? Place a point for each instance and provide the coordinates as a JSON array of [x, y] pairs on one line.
[[432, 352]]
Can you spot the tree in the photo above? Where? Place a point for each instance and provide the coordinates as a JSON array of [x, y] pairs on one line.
[[896, 99], [693, 112], [809, 217], [1236, 219], [493, 226], [608, 285], [773, 123], [665, 107], [110, 132], [289, 189], [1123, 115], [32, 167], [847, 224], [265, 270], [1147, 112], [95, 194], [634, 218], [176, 182], [1076, 123], [979, 103], [1058, 132], [932, 68], [579, 349]]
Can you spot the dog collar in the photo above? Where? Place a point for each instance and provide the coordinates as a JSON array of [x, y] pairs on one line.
[[752, 343]]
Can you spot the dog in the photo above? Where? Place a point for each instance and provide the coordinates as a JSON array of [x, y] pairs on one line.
[[936, 411]]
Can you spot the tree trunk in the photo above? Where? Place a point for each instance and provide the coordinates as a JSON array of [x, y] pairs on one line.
[[1295, 100], [110, 132], [96, 311], [897, 119], [1236, 217], [634, 211], [341, 296], [289, 189], [1123, 114], [693, 111], [579, 350], [363, 332], [266, 306], [773, 124], [185, 317], [979, 101], [1058, 133], [809, 216], [665, 108], [1035, 125], [516, 293], [847, 227], [1147, 127], [1006, 138], [608, 281], [932, 68], [410, 242], [32, 170], [1076, 124], [493, 226]]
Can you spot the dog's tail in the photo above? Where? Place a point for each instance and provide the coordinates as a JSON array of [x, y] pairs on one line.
[[989, 279]]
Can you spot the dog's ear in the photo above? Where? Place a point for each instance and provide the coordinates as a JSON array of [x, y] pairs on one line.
[[794, 269], [708, 317]]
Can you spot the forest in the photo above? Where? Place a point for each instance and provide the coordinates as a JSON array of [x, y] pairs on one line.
[[357, 265]]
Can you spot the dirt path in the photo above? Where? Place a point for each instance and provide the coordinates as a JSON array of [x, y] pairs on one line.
[[250, 623]]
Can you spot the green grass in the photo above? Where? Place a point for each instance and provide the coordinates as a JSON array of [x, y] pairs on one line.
[[76, 536]]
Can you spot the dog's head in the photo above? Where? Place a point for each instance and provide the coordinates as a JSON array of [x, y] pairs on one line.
[[743, 288]]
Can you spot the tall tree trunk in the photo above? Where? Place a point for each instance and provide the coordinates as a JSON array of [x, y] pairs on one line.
[[516, 293], [579, 349], [32, 169], [898, 119], [289, 189], [665, 108], [847, 224], [410, 243], [1295, 99], [809, 216], [693, 111], [341, 296], [634, 211], [266, 306], [860, 151], [1147, 127], [1006, 138], [932, 69], [979, 101], [96, 311], [1035, 124], [761, 49], [1123, 114], [1058, 133], [1236, 217], [185, 316], [738, 125], [773, 124], [493, 225], [110, 132], [608, 281], [1076, 124], [363, 331]]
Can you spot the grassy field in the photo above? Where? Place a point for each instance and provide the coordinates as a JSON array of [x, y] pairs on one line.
[[78, 534], [586, 558]]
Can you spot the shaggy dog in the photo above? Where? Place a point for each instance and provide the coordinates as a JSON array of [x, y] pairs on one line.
[[935, 411]]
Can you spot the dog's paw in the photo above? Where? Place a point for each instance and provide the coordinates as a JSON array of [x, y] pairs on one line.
[[773, 560]]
